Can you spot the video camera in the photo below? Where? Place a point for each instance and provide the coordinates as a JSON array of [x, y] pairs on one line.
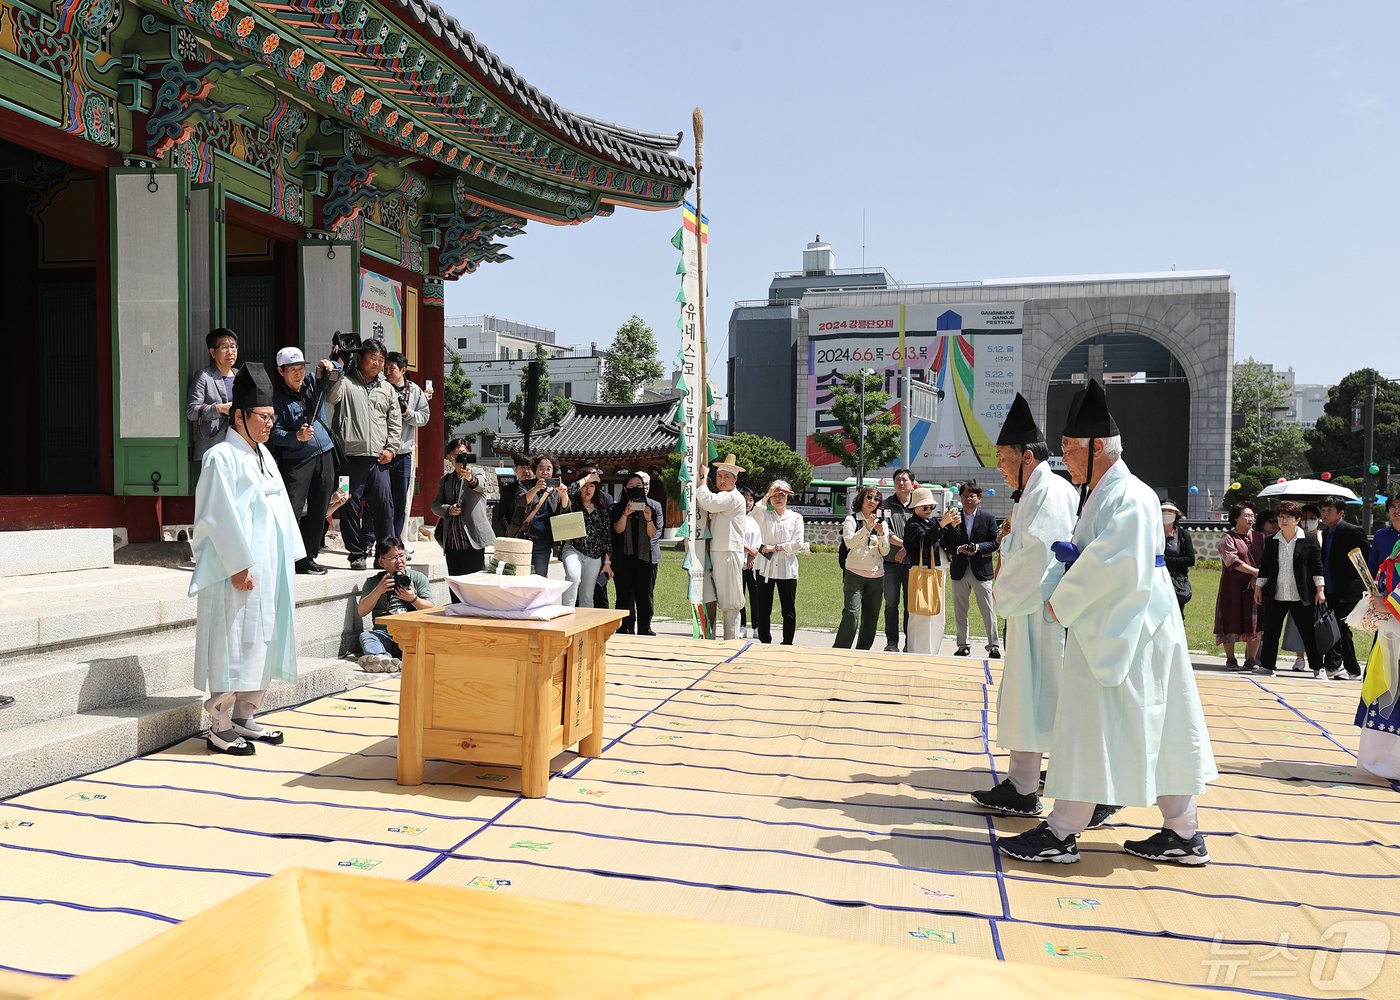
[[344, 346], [465, 458]]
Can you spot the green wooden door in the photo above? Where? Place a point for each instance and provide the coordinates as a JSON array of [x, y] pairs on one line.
[[149, 249]]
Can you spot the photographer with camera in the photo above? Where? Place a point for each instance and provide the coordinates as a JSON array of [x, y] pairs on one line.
[[367, 424], [413, 413], [302, 445], [637, 523], [545, 497], [464, 530], [395, 591]]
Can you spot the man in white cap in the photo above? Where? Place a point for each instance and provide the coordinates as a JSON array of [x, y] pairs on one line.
[[725, 505], [1043, 513], [301, 443], [245, 544], [1129, 728]]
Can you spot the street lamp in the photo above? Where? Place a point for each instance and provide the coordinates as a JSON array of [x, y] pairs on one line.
[[860, 459]]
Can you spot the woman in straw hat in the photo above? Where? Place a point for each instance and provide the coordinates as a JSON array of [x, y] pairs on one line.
[[924, 633]]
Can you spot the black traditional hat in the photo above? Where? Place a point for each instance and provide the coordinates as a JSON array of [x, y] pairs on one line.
[[1020, 427], [251, 387], [1089, 416]]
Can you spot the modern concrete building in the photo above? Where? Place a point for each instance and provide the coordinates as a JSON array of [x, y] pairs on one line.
[[494, 353], [1163, 343]]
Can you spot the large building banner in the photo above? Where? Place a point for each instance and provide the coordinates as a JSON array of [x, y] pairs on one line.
[[970, 354]]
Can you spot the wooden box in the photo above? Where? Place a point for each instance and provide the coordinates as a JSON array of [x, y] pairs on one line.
[[487, 690]]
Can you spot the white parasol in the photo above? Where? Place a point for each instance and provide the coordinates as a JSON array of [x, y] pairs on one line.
[[1306, 489]]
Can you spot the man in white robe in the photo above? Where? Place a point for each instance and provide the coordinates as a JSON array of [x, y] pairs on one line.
[[1043, 513], [1129, 728], [246, 544], [726, 508]]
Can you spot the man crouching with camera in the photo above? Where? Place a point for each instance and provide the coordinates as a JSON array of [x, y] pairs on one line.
[[393, 591]]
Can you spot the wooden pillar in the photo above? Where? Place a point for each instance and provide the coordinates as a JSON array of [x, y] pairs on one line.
[[431, 365]]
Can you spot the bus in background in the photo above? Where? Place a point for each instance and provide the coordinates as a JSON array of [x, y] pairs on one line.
[[833, 497]]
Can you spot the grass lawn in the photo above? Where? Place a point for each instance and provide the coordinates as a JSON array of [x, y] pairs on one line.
[[819, 600]]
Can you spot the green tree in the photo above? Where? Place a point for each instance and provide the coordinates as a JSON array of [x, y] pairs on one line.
[[631, 362], [550, 410], [459, 406], [881, 432], [764, 459], [1261, 435], [1334, 447]]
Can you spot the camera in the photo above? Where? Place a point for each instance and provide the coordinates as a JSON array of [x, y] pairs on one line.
[[403, 581], [465, 458], [552, 482], [344, 346]]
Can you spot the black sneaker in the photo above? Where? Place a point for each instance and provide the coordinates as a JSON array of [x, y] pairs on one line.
[[1006, 800], [1168, 846], [1102, 814], [994, 653], [358, 564], [963, 651], [1039, 844]]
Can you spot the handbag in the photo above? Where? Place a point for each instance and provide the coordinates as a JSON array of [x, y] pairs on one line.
[[566, 526], [1326, 632], [925, 590]]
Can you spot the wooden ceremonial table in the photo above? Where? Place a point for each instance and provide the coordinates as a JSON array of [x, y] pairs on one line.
[[498, 691]]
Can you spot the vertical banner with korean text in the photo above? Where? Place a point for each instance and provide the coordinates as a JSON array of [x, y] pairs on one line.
[[381, 309], [692, 413]]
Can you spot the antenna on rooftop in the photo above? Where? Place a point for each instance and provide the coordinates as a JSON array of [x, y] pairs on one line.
[[862, 239]]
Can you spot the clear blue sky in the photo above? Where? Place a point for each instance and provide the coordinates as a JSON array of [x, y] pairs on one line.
[[985, 140]]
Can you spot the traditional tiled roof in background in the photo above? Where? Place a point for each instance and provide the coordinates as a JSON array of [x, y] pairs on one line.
[[648, 151], [604, 430]]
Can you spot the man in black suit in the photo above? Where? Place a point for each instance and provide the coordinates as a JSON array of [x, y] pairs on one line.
[[970, 540], [1344, 586]]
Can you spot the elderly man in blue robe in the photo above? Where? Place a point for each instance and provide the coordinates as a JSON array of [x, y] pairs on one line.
[[1043, 513], [246, 544], [1129, 728]]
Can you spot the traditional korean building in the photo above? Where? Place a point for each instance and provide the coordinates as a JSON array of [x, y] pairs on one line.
[[288, 170], [621, 437]]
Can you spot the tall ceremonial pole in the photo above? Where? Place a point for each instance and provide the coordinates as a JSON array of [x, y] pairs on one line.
[[697, 120], [706, 622]]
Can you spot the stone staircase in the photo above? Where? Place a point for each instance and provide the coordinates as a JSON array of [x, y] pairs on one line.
[[99, 657]]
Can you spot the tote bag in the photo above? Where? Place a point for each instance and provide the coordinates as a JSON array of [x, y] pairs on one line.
[[566, 526], [925, 590]]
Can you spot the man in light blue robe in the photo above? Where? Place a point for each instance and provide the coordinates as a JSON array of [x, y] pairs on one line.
[[1043, 513], [246, 543], [1129, 728]]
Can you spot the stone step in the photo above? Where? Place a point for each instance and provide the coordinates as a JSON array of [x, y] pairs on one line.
[[43, 551], [38, 614], [57, 749]]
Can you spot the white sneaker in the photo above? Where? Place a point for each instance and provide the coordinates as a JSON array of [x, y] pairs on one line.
[[373, 663], [394, 665]]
